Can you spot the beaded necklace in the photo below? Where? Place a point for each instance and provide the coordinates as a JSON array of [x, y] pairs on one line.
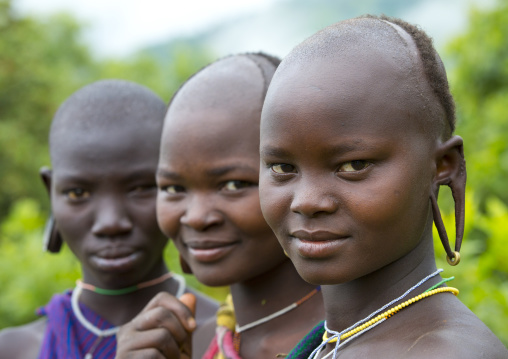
[[125, 290], [278, 313], [239, 329], [389, 313], [103, 333], [336, 336]]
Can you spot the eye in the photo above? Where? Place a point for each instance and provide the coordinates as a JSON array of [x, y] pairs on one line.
[[353, 166], [76, 194], [173, 189], [143, 188], [143, 191], [236, 185], [282, 168]]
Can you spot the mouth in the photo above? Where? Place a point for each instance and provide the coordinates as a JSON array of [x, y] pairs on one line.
[[209, 251], [115, 259], [317, 244]]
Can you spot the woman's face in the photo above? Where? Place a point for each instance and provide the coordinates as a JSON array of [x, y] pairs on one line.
[[103, 197], [346, 171], [208, 200]]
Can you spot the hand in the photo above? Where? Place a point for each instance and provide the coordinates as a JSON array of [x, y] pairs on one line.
[[161, 330]]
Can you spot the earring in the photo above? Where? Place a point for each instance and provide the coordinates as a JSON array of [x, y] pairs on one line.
[[455, 178], [51, 240], [452, 257], [286, 253], [184, 265]]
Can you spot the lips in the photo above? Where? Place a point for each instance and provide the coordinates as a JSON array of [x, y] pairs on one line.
[[207, 251], [317, 244], [115, 259]]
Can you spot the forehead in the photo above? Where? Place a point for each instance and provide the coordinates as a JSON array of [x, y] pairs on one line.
[[99, 149], [362, 89], [217, 111]]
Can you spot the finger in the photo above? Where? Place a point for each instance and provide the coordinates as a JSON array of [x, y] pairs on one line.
[[148, 342], [189, 300], [171, 303], [161, 317]]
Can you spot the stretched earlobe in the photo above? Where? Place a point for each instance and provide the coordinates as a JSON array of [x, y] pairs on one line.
[[451, 171], [52, 242], [185, 266], [45, 173]]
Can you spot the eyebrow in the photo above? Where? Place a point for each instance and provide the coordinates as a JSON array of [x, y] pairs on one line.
[[341, 148], [168, 174], [274, 152], [221, 171], [214, 172]]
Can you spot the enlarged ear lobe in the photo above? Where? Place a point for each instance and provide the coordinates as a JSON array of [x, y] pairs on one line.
[[450, 171], [184, 265], [45, 173], [52, 242]]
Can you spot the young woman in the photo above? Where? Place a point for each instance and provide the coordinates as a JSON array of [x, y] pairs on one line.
[[356, 138], [104, 145], [208, 204]]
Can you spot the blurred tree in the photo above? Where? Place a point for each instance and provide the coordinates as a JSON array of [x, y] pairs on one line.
[[479, 83], [41, 63]]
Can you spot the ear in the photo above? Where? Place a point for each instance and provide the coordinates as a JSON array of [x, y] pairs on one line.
[[52, 242], [46, 173], [450, 164], [451, 171]]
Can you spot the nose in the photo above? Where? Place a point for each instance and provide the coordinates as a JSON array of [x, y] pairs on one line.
[[201, 213], [111, 219], [311, 199]]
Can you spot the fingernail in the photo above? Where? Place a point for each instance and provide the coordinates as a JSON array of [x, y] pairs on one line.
[[191, 323]]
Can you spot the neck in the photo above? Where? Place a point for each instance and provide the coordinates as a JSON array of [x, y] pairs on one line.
[[120, 309], [347, 303], [268, 293]]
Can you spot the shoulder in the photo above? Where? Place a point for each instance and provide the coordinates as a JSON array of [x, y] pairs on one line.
[[23, 341], [451, 331], [441, 327], [206, 308], [463, 336]]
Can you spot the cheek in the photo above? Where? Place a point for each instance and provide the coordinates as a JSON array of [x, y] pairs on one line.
[[168, 218], [73, 225], [391, 206], [247, 216], [275, 203]]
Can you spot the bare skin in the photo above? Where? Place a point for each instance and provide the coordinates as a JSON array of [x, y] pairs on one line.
[[348, 163], [103, 196], [208, 204]]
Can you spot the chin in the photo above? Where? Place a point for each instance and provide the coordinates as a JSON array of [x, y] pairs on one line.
[[212, 278], [318, 274]]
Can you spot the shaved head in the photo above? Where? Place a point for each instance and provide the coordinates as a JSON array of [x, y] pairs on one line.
[[231, 90], [405, 48], [207, 87], [107, 108]]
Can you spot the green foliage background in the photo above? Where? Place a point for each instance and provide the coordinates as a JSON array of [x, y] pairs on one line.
[[43, 61]]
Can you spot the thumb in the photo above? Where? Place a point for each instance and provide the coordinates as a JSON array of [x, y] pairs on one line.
[[189, 300]]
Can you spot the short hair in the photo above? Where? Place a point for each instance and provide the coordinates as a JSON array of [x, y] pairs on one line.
[[344, 35], [104, 103], [433, 66]]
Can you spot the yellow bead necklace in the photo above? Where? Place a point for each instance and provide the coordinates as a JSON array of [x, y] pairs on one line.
[[389, 313]]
